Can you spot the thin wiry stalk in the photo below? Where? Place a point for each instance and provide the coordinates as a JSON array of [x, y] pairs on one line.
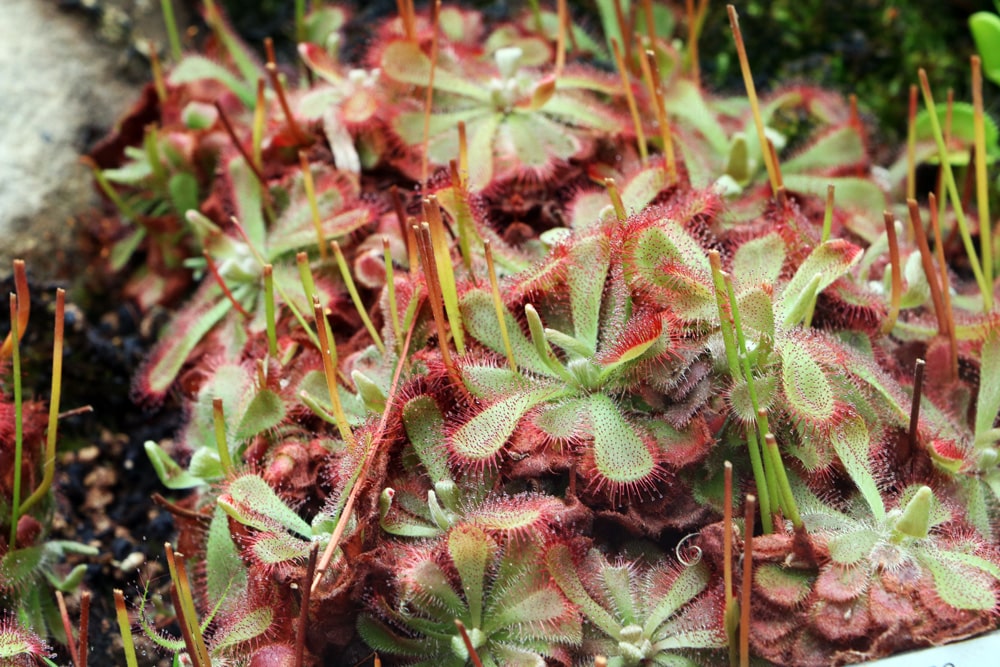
[[562, 14], [49, 466], [125, 628], [498, 305], [624, 29], [83, 642], [307, 181], [67, 628], [441, 253], [640, 135], [758, 120], [747, 582], [732, 359], [897, 273], [982, 188], [185, 609], [911, 145], [773, 466], [390, 288], [214, 270], [15, 503], [269, 318], [352, 289], [945, 289], [173, 36], [279, 88], [473, 656], [257, 128], [357, 482], [423, 236], [306, 587], [328, 351], [956, 202], [219, 423], [928, 264], [616, 199], [156, 68], [918, 384], [654, 84], [429, 101], [731, 612]]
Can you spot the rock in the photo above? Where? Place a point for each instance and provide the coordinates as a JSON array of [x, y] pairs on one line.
[[63, 83]]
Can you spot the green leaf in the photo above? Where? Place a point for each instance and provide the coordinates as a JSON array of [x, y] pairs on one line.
[[853, 546], [564, 571], [829, 260], [225, 573], [252, 502], [196, 68], [758, 262], [472, 551], [183, 189], [852, 193], [405, 62], [381, 638], [915, 522], [962, 129], [170, 473], [265, 411], [620, 455], [276, 548], [833, 150], [425, 427], [958, 584], [668, 261], [180, 338], [807, 389], [985, 28], [561, 421], [123, 249], [249, 202], [757, 313], [531, 141], [479, 317], [480, 438], [592, 257], [19, 566], [988, 402], [691, 581], [242, 626], [640, 190], [851, 441], [487, 381]]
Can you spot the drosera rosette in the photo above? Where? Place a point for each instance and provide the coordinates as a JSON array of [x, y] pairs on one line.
[[890, 579], [528, 120], [640, 613], [512, 612], [235, 258], [429, 505], [607, 344]]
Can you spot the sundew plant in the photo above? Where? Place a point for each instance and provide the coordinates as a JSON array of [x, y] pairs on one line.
[[486, 334]]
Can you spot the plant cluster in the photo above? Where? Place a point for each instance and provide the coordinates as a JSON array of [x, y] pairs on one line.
[[474, 329]]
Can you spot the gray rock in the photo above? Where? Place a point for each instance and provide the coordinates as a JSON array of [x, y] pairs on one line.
[[63, 83]]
